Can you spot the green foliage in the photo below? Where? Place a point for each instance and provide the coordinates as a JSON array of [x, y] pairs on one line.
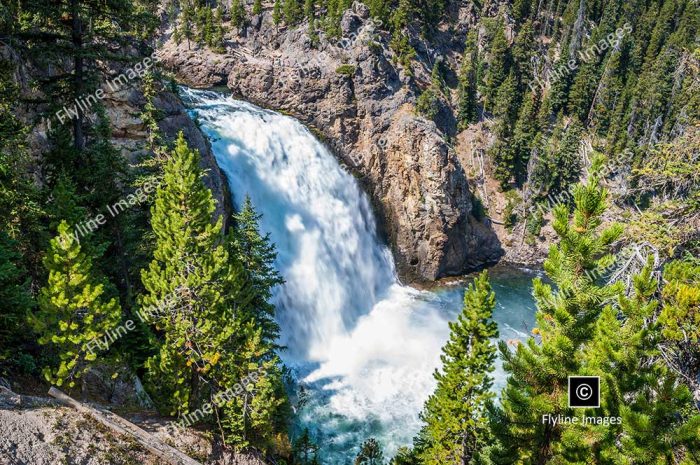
[[679, 319], [370, 453], [214, 323], [524, 135], [277, 12], [557, 165], [74, 308], [238, 14], [292, 12], [404, 456], [498, 64], [257, 255], [428, 104], [456, 429], [257, 7], [400, 42], [345, 70], [566, 320], [15, 299], [467, 89], [509, 215], [305, 450], [21, 214], [186, 279]]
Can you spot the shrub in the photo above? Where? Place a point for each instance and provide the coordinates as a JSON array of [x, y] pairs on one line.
[[345, 70], [428, 104]]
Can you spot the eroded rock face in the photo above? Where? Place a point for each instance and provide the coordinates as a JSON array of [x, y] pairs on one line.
[[427, 203], [123, 105], [362, 106], [129, 134]]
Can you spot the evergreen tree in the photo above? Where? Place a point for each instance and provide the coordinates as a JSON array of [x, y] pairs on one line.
[[679, 319], [305, 450], [74, 308], [456, 428], [498, 64], [219, 31], [177, 36], [257, 7], [277, 12], [15, 300], [107, 179], [185, 280], [524, 134], [238, 14], [538, 369], [400, 42], [467, 106], [370, 453], [257, 254], [21, 215], [292, 12], [82, 32], [405, 456], [210, 337], [187, 23]]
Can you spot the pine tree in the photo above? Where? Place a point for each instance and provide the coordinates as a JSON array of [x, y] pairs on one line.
[[305, 450], [238, 14], [15, 299], [187, 23], [658, 418], [679, 319], [524, 134], [74, 308], [107, 179], [370, 453], [257, 7], [21, 215], [177, 36], [292, 12], [310, 14], [185, 280], [456, 429], [277, 12], [211, 309], [498, 64], [257, 254], [400, 42], [538, 369], [405, 456], [467, 107]]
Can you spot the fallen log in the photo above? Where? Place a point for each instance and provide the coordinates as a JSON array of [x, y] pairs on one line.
[[122, 426]]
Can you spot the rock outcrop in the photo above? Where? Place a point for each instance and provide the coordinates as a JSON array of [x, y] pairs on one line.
[[361, 104], [36, 431], [123, 105]]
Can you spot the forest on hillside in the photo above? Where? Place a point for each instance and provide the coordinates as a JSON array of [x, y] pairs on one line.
[[115, 254]]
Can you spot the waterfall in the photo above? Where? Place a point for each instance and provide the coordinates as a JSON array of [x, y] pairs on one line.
[[363, 346]]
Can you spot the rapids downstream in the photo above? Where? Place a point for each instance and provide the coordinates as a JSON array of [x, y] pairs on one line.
[[362, 347]]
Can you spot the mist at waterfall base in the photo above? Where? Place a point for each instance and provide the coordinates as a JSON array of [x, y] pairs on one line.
[[361, 346]]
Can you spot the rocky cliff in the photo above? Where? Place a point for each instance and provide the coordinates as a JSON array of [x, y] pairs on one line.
[[123, 105], [362, 106]]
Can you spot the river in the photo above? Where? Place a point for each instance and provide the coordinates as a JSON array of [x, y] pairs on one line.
[[362, 347]]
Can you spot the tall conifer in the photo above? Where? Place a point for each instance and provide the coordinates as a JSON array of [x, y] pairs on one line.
[[74, 308], [456, 428]]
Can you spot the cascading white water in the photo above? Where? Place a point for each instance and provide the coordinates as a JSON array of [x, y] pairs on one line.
[[364, 346]]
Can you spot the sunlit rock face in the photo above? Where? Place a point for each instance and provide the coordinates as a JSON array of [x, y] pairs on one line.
[[362, 106]]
